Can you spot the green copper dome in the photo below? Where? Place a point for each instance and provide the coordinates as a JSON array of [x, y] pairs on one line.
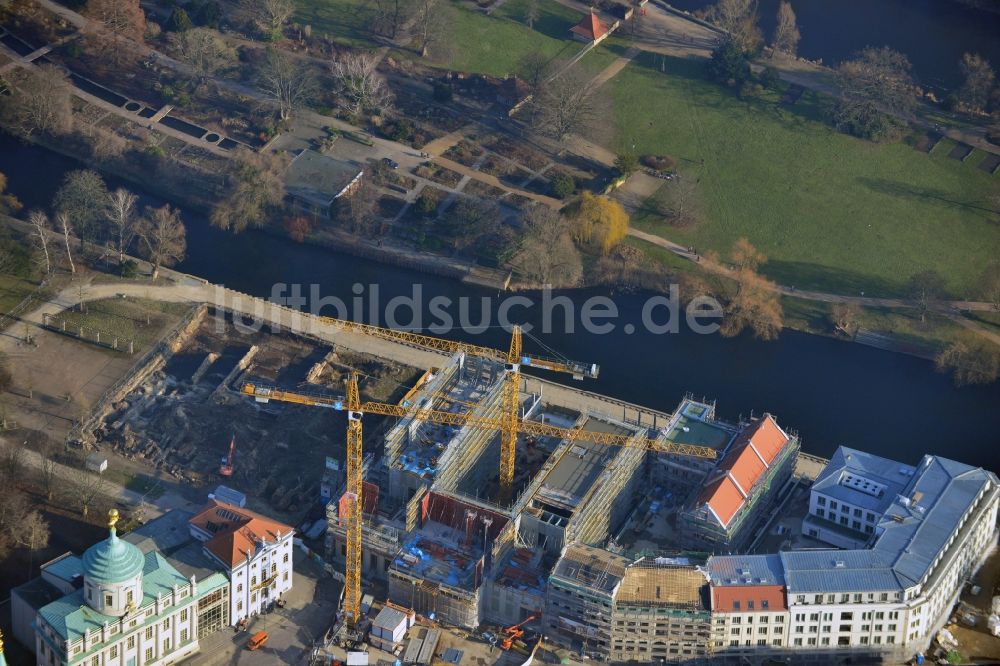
[[112, 560]]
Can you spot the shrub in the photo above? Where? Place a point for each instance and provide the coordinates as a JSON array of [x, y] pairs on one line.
[[427, 203], [627, 163], [298, 227], [442, 92], [659, 162], [563, 185], [128, 269], [751, 90], [73, 49], [398, 130], [769, 78], [207, 14], [179, 21], [729, 64]]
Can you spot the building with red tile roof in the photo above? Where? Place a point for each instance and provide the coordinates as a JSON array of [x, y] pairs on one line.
[[254, 550], [754, 468], [590, 29]]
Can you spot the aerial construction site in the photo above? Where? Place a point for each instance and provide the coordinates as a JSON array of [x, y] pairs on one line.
[[453, 484]]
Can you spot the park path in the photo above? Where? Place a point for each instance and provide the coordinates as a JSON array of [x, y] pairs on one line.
[[152, 507], [490, 179]]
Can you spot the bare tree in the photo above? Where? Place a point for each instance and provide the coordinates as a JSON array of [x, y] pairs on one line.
[[163, 235], [680, 203], [755, 305], [258, 187], [361, 84], [745, 256], [13, 505], [926, 288], [563, 106], [786, 34], [62, 219], [534, 68], [205, 52], [531, 13], [739, 19], [124, 19], [547, 254], [431, 21], [874, 82], [84, 197], [47, 474], [87, 487], [970, 359], [358, 211], [388, 17], [844, 317], [289, 84], [33, 534], [121, 212], [11, 461], [40, 102], [980, 81], [269, 16], [990, 284], [40, 222]]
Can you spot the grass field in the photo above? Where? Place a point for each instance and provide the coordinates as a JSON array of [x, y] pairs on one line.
[[473, 42], [344, 21], [832, 212], [497, 44], [13, 290], [141, 321]]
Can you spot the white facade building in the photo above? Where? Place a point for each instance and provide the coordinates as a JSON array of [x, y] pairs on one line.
[[255, 552], [132, 610], [889, 597]]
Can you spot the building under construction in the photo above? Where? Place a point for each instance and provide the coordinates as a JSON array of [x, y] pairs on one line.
[[442, 534], [612, 608]]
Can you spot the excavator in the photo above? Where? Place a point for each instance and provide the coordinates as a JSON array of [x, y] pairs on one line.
[[226, 466], [514, 632]]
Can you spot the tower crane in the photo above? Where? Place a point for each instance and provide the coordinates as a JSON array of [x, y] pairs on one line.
[[509, 425], [351, 403], [514, 359]]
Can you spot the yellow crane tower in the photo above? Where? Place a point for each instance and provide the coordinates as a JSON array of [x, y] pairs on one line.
[[509, 425], [513, 360], [356, 409]]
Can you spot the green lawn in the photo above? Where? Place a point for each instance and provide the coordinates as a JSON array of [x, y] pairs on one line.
[[13, 290], [344, 21], [832, 212], [496, 44]]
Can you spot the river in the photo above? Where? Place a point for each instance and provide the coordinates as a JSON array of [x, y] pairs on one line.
[[932, 33], [831, 392]]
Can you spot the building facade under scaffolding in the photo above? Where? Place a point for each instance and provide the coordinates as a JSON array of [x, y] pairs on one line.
[[612, 609]]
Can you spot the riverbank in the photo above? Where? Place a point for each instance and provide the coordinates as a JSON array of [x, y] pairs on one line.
[[801, 315]]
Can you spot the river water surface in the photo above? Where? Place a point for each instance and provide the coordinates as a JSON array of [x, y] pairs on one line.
[[831, 392], [932, 33]]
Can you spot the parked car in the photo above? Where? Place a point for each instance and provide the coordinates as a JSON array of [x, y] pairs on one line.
[[391, 163]]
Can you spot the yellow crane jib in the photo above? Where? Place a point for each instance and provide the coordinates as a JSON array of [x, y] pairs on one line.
[[577, 369]]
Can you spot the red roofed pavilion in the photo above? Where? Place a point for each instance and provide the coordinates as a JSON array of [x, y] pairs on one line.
[[590, 29]]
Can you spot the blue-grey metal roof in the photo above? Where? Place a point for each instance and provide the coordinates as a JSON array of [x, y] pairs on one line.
[[745, 570], [829, 571], [917, 526], [68, 567], [850, 464], [389, 618], [914, 529]]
